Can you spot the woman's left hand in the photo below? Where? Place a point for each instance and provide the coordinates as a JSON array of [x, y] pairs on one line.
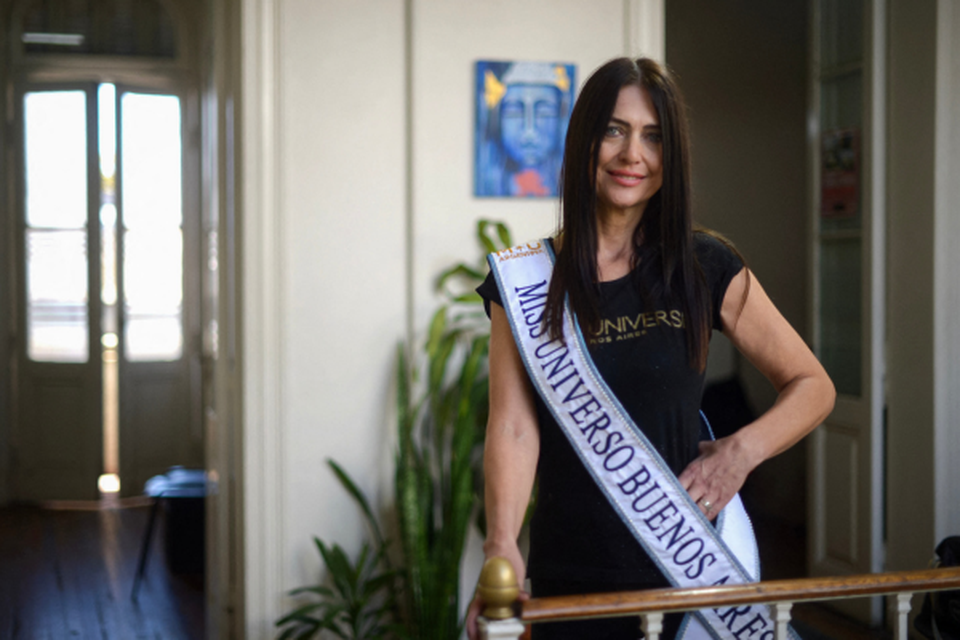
[[715, 476]]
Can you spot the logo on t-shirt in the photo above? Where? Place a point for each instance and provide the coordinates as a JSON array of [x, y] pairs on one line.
[[628, 328]]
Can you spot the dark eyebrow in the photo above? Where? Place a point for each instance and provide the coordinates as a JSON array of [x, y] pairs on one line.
[[624, 123]]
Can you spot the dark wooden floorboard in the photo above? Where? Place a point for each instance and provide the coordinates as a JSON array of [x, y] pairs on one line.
[[68, 574]]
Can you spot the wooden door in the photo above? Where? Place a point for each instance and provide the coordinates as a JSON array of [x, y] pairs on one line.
[[58, 425], [158, 286]]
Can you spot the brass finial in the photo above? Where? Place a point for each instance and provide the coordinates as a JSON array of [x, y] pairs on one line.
[[498, 588]]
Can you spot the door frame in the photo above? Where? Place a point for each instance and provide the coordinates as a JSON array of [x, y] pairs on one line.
[[851, 413], [179, 76]]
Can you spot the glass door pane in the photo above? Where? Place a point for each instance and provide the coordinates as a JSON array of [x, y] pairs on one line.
[[152, 219], [840, 223], [55, 140], [841, 32], [841, 320]]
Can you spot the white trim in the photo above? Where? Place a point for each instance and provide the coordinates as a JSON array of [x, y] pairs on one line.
[[946, 284], [876, 76], [816, 443], [262, 230], [644, 29], [409, 202]]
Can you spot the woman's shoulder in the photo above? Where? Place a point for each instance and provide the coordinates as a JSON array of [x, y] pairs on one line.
[[712, 248], [718, 259], [710, 241], [489, 290]]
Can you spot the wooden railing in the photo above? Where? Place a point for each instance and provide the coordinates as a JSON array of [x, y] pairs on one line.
[[650, 605]]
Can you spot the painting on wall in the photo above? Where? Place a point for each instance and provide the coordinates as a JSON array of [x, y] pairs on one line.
[[522, 112]]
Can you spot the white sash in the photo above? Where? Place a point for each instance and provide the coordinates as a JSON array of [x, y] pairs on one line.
[[638, 483]]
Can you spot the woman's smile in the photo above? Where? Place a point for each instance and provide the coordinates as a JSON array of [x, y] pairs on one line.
[[627, 179]]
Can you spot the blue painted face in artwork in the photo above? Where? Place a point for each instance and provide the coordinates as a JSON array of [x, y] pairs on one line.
[[530, 122]]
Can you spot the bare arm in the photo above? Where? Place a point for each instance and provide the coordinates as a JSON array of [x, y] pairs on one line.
[[805, 397], [512, 444], [510, 453]]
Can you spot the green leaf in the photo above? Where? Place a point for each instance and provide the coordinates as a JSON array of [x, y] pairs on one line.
[[483, 238], [288, 633], [358, 496], [442, 395], [469, 298], [338, 566], [333, 625], [299, 613], [506, 240], [438, 325], [317, 589], [376, 583], [439, 360], [458, 271]]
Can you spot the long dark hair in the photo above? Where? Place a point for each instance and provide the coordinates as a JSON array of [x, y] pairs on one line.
[[663, 241]]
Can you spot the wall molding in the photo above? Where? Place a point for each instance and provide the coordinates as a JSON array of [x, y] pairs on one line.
[[262, 343], [876, 236], [409, 192], [644, 26]]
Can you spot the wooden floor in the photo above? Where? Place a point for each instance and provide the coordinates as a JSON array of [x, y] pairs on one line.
[[68, 574]]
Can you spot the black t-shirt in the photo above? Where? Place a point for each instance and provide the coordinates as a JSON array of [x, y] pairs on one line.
[[641, 353]]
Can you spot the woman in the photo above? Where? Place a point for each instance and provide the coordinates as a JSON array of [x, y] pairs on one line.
[[646, 290]]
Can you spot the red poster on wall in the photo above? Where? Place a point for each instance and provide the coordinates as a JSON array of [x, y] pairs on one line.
[[840, 173]]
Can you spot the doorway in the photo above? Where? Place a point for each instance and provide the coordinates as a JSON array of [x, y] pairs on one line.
[[106, 247], [104, 367]]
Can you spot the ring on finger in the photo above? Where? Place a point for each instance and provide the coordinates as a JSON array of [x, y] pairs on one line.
[[706, 505]]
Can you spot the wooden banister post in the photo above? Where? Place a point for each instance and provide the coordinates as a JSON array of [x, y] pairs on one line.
[[901, 609], [652, 625], [783, 620], [498, 589], [509, 629]]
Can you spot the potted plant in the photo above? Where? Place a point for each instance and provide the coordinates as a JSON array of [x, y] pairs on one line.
[[441, 414]]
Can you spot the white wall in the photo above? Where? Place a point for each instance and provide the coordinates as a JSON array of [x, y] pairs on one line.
[[325, 216], [323, 263], [342, 202], [910, 294], [448, 37]]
